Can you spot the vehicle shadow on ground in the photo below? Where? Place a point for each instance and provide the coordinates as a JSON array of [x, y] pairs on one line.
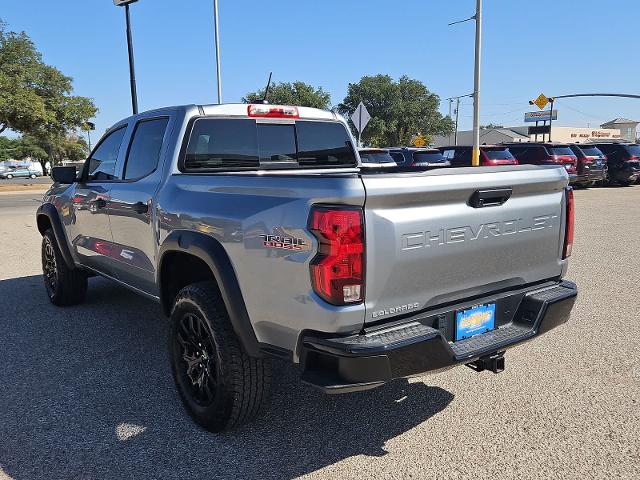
[[86, 392]]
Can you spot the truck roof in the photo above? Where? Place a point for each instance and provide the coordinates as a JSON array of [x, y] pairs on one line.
[[236, 110]]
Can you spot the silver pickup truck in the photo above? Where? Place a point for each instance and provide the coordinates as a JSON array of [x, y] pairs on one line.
[[255, 229]]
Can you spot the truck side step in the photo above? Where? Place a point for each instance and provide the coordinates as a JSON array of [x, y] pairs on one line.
[[494, 362]]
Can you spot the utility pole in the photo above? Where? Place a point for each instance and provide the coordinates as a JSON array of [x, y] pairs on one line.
[[475, 159], [457, 112], [450, 101], [217, 40], [455, 138]]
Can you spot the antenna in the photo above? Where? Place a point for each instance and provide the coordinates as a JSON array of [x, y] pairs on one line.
[[266, 90]]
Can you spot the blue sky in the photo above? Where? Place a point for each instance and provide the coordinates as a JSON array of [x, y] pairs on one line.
[[555, 47]]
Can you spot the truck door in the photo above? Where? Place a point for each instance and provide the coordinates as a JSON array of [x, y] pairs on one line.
[[130, 206], [90, 233]]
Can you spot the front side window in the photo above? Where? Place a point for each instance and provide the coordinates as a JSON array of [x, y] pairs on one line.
[[102, 163], [144, 152]]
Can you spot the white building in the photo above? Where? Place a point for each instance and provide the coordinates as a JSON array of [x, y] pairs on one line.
[[627, 128], [521, 134]]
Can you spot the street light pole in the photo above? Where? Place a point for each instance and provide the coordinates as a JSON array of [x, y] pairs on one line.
[[217, 40], [132, 70], [475, 159]]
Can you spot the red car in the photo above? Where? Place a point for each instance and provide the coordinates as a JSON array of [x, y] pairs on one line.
[[546, 153], [490, 155]]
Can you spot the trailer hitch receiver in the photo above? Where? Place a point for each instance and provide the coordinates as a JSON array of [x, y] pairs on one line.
[[493, 362]]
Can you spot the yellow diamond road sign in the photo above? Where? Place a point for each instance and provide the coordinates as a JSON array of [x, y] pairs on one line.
[[541, 101], [419, 141]]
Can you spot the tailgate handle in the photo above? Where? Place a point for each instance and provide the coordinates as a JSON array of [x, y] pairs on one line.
[[490, 198]]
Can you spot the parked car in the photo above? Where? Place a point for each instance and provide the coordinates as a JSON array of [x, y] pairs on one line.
[[418, 157], [357, 276], [20, 172], [592, 164], [490, 155], [376, 158], [623, 162], [546, 153]]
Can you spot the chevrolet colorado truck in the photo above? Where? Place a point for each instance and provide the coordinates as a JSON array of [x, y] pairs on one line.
[[255, 229]]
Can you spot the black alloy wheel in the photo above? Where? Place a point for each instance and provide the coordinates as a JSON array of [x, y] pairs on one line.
[[197, 350], [49, 267]]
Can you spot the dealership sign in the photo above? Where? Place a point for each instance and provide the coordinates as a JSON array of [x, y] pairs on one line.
[[543, 116]]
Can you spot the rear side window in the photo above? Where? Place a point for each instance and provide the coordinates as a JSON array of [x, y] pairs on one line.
[[398, 157], [144, 152], [102, 163], [498, 154], [223, 144]]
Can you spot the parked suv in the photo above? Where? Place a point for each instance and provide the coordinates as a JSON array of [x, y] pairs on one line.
[[490, 155], [546, 153], [418, 157], [20, 172], [376, 158], [623, 162], [592, 164], [255, 229]]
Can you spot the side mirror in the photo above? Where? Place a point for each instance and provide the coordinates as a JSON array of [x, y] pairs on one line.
[[63, 174]]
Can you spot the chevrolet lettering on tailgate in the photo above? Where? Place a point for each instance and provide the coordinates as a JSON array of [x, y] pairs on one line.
[[442, 236]]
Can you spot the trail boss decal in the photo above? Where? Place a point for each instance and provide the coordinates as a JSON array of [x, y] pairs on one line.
[[282, 243]]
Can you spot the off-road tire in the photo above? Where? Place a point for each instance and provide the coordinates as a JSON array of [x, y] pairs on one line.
[[64, 286], [242, 383]]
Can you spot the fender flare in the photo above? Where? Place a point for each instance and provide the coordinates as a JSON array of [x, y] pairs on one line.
[[210, 251], [51, 213]]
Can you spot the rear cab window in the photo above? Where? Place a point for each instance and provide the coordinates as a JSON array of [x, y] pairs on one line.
[[435, 156], [242, 144], [559, 151], [498, 154], [590, 151], [376, 157], [633, 150]]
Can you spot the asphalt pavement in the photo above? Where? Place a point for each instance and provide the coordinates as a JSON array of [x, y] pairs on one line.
[[86, 391]]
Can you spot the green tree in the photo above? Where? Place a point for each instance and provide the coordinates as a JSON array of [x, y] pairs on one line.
[[36, 98], [8, 148], [399, 110], [296, 93], [490, 126]]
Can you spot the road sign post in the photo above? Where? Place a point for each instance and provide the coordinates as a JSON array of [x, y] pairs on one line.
[[360, 119]]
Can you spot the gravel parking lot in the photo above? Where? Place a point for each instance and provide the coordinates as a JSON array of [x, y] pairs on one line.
[[87, 392]]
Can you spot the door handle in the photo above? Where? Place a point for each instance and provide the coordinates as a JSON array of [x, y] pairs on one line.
[[490, 198], [140, 207]]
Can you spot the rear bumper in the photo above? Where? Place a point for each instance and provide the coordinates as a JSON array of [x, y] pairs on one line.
[[340, 364]]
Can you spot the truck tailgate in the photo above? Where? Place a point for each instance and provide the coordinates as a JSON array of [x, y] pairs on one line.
[[430, 242]]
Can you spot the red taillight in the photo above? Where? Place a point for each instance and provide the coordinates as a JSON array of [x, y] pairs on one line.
[[337, 271], [568, 231], [272, 111]]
